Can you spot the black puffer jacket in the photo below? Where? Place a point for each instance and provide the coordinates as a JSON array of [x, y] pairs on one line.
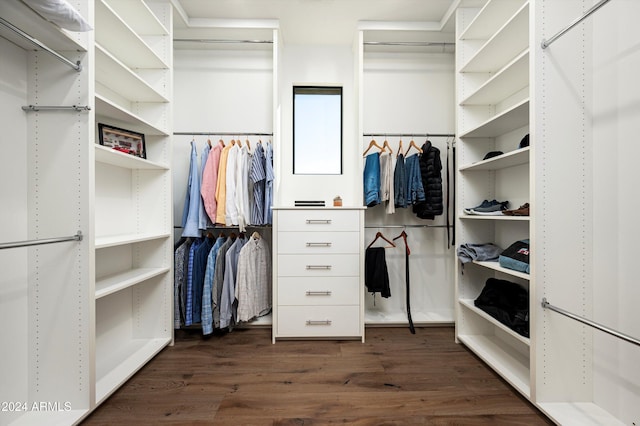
[[431, 171]]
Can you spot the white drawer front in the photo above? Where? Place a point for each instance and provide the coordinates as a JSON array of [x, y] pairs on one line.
[[318, 291], [318, 242], [318, 265], [318, 321], [318, 220]]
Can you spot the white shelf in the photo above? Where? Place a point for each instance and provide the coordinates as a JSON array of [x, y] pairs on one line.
[[578, 414], [118, 77], [510, 364], [122, 42], [468, 303], [509, 80], [138, 16], [51, 417], [502, 217], [506, 160], [490, 18], [116, 282], [496, 267], [119, 240], [127, 161], [109, 109], [442, 317], [21, 16], [511, 119], [511, 39], [113, 369]]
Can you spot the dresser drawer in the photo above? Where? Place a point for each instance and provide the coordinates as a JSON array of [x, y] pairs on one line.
[[318, 220], [318, 321], [318, 242], [318, 291], [318, 265]]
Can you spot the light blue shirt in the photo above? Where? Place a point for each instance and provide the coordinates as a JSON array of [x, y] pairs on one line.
[[207, 292], [268, 187], [191, 210], [227, 314], [203, 219]]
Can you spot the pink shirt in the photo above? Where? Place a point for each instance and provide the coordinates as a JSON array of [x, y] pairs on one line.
[[210, 180]]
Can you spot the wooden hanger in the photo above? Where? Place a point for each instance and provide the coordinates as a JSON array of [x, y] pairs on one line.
[[248, 143], [387, 146], [209, 142], [371, 145], [221, 142], [404, 236], [399, 148], [379, 235], [255, 235], [413, 144]]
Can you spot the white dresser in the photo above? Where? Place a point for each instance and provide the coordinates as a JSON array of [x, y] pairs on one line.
[[318, 281]]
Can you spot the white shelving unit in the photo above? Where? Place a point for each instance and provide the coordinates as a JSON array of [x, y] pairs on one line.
[[420, 102], [493, 115], [133, 196], [45, 290]]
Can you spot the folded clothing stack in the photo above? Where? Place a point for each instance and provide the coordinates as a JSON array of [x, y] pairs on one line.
[[488, 208], [516, 257], [507, 302], [480, 252]]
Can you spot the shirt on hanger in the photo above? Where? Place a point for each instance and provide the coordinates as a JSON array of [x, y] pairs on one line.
[[242, 188], [268, 189], [253, 284], [203, 219], [228, 316], [231, 210], [210, 180], [258, 176], [207, 291], [221, 185], [192, 198]]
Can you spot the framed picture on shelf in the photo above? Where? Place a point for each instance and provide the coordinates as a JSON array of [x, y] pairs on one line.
[[122, 140]]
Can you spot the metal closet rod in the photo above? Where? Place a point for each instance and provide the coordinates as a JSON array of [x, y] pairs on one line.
[[55, 107], [590, 323], [415, 135], [76, 66], [222, 134], [409, 43], [408, 226], [546, 43], [77, 237], [222, 41]]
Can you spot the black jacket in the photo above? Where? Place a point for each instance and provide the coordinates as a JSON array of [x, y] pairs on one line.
[[431, 171]]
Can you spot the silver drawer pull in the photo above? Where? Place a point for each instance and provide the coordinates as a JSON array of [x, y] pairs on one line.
[[318, 293], [318, 244], [318, 221], [324, 322], [327, 267]]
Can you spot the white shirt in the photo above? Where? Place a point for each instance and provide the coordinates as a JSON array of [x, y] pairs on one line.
[[253, 282], [231, 211], [386, 182], [242, 188]]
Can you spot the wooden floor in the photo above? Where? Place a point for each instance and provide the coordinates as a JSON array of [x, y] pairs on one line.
[[240, 378]]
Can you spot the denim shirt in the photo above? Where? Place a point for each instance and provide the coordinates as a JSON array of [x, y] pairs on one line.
[[400, 183], [372, 180], [415, 190]]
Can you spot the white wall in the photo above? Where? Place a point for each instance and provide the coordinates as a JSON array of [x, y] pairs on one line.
[[13, 216]]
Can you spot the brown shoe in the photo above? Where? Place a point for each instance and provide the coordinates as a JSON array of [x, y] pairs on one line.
[[522, 211]]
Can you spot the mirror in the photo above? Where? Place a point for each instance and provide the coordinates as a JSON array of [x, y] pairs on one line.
[[317, 130]]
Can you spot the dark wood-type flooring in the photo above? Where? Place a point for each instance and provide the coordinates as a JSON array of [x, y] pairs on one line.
[[240, 378]]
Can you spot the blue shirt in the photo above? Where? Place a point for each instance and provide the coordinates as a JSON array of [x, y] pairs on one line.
[[400, 183], [189, 293], [199, 268], [191, 208], [268, 189], [207, 295], [203, 219], [371, 180], [258, 175], [415, 189]]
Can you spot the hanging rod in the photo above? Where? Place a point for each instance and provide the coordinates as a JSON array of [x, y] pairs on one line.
[[76, 66], [77, 237], [54, 107], [408, 226], [409, 43], [415, 135], [221, 134], [546, 43], [222, 41], [590, 323]]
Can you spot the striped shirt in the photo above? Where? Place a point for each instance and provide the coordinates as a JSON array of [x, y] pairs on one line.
[[258, 176]]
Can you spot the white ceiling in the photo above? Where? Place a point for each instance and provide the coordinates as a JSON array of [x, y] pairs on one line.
[[315, 21]]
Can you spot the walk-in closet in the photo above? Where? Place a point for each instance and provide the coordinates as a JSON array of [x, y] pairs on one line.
[[327, 184]]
